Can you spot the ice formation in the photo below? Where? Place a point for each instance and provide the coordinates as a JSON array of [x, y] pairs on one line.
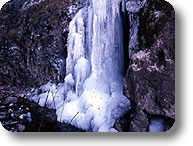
[[156, 125], [91, 97]]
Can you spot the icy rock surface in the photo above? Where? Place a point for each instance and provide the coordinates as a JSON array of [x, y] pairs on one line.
[[92, 96], [29, 3], [133, 6]]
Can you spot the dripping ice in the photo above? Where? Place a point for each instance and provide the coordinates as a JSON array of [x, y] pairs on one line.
[[91, 97]]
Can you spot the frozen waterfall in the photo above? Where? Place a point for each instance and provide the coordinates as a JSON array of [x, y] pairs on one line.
[[91, 97]]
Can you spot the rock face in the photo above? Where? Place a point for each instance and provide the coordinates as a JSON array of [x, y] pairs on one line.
[[33, 36], [150, 78]]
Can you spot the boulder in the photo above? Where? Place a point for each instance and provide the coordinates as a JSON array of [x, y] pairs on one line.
[[150, 79]]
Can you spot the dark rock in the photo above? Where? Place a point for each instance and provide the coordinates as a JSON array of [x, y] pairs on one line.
[[2, 117], [150, 79], [20, 127], [11, 122], [2, 107], [10, 100]]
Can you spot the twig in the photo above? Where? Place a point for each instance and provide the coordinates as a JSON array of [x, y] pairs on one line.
[[74, 117], [40, 125]]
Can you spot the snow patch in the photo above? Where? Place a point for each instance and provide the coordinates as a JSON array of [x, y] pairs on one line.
[[141, 55]]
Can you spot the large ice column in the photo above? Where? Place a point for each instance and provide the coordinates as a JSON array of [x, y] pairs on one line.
[[97, 66], [106, 43], [92, 96]]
